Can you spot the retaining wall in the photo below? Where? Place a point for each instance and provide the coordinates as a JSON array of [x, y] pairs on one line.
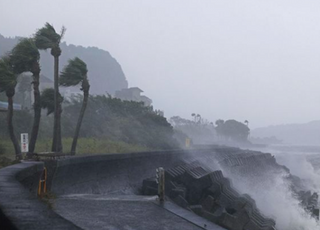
[[113, 173], [19, 205], [100, 174]]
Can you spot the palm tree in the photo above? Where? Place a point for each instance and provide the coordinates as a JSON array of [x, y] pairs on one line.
[[219, 128], [194, 116], [73, 74], [25, 58], [47, 100], [199, 118], [8, 82], [48, 38]]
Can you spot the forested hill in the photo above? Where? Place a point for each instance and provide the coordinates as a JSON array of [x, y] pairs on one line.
[[105, 73]]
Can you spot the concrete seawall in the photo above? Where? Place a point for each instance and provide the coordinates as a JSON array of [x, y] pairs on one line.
[[112, 174], [19, 205], [100, 174], [109, 174]]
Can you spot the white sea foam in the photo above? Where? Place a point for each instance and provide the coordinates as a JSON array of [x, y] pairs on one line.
[[273, 195], [301, 167]]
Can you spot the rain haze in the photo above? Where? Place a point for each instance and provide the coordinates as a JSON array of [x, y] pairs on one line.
[[245, 60], [160, 114]]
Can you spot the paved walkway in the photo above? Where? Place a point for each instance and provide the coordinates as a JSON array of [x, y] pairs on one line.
[[130, 212]]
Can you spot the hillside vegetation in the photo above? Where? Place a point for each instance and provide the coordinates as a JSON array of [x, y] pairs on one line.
[[125, 125]]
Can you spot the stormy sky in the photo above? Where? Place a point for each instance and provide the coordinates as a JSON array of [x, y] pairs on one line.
[[256, 60]]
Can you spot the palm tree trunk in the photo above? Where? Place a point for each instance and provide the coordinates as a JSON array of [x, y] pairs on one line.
[[59, 141], [10, 127], [56, 143], [37, 112], [81, 115]]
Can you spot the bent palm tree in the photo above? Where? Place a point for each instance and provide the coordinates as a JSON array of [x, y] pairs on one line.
[[25, 58], [8, 82], [47, 38], [73, 74], [47, 100]]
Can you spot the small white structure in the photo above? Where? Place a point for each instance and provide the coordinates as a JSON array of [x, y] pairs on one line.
[[133, 94]]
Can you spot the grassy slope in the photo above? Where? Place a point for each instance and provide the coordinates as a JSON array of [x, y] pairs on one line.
[[85, 146]]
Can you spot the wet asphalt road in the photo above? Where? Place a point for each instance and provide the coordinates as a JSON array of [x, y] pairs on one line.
[[120, 213]]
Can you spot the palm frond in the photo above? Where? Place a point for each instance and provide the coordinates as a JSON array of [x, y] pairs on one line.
[[62, 33], [43, 43], [47, 100], [46, 37], [8, 80], [74, 73], [50, 27], [24, 55]]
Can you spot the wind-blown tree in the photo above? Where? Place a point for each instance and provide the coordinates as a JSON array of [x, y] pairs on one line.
[[47, 100], [25, 57], [194, 116], [48, 38], [8, 82], [199, 118], [234, 130], [73, 74], [219, 128]]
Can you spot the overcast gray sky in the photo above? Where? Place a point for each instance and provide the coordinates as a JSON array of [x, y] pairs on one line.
[[256, 60]]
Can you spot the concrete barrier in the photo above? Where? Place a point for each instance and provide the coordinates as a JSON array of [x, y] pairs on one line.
[[19, 205], [113, 174], [108, 174], [116, 174]]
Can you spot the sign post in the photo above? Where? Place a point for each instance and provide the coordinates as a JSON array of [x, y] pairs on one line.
[[24, 143]]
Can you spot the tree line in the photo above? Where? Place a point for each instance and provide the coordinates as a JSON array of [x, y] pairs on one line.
[[202, 131], [106, 119], [24, 57]]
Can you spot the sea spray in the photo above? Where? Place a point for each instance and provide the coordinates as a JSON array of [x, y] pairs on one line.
[[270, 184], [274, 197], [300, 166]]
